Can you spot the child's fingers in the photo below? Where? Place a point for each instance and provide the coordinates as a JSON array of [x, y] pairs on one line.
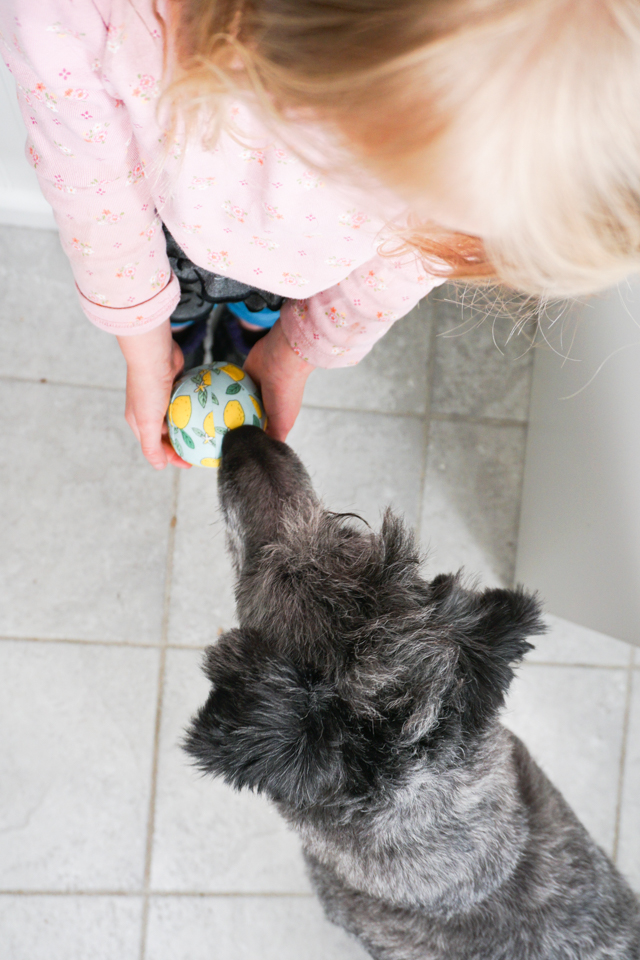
[[133, 423], [172, 456], [152, 446], [282, 408]]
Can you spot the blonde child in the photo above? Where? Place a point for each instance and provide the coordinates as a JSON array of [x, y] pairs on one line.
[[347, 156]]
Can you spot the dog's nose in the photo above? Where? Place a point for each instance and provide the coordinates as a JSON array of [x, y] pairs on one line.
[[244, 439]]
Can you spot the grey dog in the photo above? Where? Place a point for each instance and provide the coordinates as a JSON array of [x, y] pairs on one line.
[[364, 700]]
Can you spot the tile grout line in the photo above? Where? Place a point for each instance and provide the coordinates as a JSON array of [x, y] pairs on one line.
[[134, 894], [435, 415], [61, 383], [566, 664], [506, 422], [158, 719], [126, 644], [134, 645], [478, 421], [429, 373], [623, 756], [524, 466]]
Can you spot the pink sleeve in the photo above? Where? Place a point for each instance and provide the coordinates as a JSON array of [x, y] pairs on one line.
[[82, 146], [338, 327]]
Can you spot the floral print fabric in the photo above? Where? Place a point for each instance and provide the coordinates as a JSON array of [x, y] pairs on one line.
[[88, 78]]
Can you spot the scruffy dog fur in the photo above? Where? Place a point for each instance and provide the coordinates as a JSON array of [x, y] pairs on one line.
[[364, 700]]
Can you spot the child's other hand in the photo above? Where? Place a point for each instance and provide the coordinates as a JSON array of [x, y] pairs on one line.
[[154, 360], [281, 375]]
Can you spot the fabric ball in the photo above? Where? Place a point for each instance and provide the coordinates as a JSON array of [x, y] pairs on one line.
[[205, 404]]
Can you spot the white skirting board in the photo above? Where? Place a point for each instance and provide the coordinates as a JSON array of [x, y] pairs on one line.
[[579, 538], [21, 201]]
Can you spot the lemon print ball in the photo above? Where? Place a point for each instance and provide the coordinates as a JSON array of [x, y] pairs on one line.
[[205, 404]]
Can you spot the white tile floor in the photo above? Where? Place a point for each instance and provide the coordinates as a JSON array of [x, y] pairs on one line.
[[113, 578]]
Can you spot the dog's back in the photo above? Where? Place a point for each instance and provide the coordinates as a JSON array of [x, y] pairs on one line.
[[559, 898], [364, 701]]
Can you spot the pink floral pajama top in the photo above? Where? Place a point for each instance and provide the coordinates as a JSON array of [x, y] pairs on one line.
[[88, 79]]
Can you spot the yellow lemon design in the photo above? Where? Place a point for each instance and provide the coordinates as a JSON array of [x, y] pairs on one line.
[[233, 414], [206, 377], [257, 406], [180, 412], [232, 371], [210, 462], [209, 425]]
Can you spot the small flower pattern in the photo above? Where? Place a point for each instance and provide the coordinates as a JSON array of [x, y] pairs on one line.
[[128, 271], [136, 174], [65, 150], [116, 36], [107, 218], [282, 156], [72, 93], [81, 247], [234, 211], [374, 281], [147, 87], [265, 243], [201, 183], [100, 298], [218, 258], [354, 218], [63, 32], [40, 94], [339, 261], [310, 181], [272, 212], [149, 233], [96, 134], [59, 184], [253, 155], [293, 279], [335, 316], [159, 279]]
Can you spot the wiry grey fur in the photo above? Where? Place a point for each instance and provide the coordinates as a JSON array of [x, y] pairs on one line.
[[364, 700]]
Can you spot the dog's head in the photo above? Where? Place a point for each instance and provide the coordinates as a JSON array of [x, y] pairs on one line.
[[348, 668]]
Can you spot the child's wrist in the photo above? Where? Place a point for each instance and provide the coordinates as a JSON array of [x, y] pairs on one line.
[[147, 351]]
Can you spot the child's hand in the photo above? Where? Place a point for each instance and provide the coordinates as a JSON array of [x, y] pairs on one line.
[[154, 360], [281, 376]]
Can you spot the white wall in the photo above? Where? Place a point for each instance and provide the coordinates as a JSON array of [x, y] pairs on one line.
[[21, 201], [579, 540]]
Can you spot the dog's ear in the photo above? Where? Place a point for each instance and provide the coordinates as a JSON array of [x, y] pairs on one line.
[[267, 724], [490, 630]]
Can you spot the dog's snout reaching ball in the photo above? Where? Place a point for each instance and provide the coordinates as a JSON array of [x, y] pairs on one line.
[[364, 701]]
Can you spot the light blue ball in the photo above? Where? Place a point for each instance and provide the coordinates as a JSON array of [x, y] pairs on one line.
[[205, 404]]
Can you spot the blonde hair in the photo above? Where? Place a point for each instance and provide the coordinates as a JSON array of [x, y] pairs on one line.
[[527, 111]]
